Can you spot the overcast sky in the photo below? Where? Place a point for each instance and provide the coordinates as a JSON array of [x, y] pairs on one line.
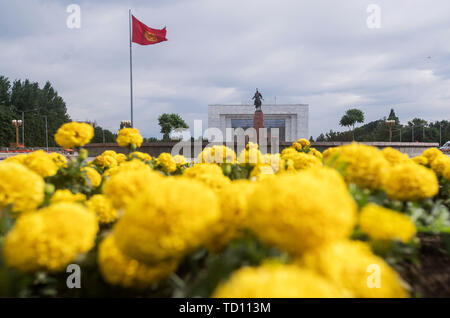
[[317, 52]]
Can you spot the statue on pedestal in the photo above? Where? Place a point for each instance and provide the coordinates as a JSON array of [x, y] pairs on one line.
[[258, 97]]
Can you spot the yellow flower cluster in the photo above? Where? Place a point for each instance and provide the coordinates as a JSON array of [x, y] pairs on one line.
[[301, 211], [140, 155], [353, 266], [394, 156], [361, 164], [301, 160], [436, 160], [441, 165], [260, 172], [103, 208], [251, 155], [208, 173], [421, 160], [51, 238], [43, 164], [121, 270], [410, 182], [233, 204], [167, 221], [277, 281], [217, 154], [67, 196], [20, 187], [74, 134], [108, 159], [166, 162], [134, 164], [383, 224], [129, 136], [122, 187], [94, 177], [180, 160]]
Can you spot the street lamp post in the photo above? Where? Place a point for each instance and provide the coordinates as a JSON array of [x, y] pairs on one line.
[[390, 124], [17, 124], [46, 132]]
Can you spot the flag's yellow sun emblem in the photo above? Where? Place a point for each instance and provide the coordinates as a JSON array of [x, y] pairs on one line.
[[150, 37]]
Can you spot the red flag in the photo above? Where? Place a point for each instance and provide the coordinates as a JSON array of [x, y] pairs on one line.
[[144, 35]]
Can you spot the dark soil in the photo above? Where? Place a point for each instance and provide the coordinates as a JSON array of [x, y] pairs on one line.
[[430, 278]]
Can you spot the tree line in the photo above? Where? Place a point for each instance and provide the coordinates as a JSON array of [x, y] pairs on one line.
[[26, 100], [416, 130]]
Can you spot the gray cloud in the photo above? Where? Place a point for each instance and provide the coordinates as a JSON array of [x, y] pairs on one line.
[[317, 52]]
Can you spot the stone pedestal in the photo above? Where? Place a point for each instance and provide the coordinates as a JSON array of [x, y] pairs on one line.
[[258, 122]]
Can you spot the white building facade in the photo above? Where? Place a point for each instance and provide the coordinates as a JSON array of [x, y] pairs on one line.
[[290, 119]]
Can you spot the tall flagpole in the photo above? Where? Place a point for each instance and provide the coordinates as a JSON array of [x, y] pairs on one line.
[[131, 69]]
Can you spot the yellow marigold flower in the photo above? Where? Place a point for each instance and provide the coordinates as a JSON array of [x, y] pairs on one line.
[[331, 153], [103, 207], [74, 134], [410, 182], [304, 142], [17, 159], [207, 173], [141, 156], [277, 281], [274, 160], [122, 187], [431, 154], [288, 150], [385, 224], [93, 175], [302, 211], [180, 160], [297, 146], [167, 221], [111, 153], [440, 163], [251, 156], [67, 196], [134, 164], [394, 156], [41, 163], [20, 187], [316, 153], [302, 160], [261, 172], [118, 269], [352, 265], [421, 160], [51, 238], [105, 161], [217, 154], [233, 203], [363, 165], [58, 159], [166, 162], [129, 136], [121, 158]]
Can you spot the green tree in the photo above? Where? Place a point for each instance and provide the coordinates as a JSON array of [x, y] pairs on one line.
[[350, 118], [36, 103], [169, 122]]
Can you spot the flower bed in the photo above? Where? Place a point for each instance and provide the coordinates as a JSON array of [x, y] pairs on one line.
[[351, 222]]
